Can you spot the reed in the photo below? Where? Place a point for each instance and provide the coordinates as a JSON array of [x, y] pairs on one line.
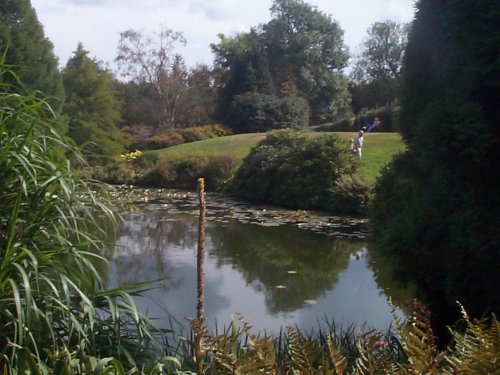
[[54, 309]]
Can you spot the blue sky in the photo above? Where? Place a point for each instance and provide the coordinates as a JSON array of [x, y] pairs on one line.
[[98, 23]]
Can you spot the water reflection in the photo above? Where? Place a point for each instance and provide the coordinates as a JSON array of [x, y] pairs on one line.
[[274, 275], [290, 267]]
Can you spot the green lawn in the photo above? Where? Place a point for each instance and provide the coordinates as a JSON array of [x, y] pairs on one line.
[[378, 149]]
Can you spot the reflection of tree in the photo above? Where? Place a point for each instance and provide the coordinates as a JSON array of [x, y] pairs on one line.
[[141, 246], [143, 252], [266, 255], [391, 278]]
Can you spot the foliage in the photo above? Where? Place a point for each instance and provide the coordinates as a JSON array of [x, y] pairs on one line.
[[29, 53], [244, 67], [476, 350], [293, 169], [381, 58], [412, 351], [350, 195], [195, 106], [306, 49], [53, 307], [439, 202], [183, 172], [299, 53], [92, 108], [150, 60], [199, 133], [389, 117], [254, 112], [164, 140], [367, 96], [178, 136], [200, 100]]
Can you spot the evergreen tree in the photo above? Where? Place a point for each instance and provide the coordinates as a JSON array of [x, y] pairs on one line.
[[92, 107], [438, 205], [28, 51]]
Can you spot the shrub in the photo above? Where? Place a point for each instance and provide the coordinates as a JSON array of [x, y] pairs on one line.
[[255, 112], [164, 140], [350, 195], [145, 161], [177, 136], [388, 115], [218, 170], [200, 133], [294, 169], [181, 172]]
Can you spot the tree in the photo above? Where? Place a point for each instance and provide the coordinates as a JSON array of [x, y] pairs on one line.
[[306, 49], [381, 57], [255, 112], [151, 60], [200, 100], [27, 49], [92, 107], [376, 76], [29, 52], [244, 67], [300, 52], [437, 206]]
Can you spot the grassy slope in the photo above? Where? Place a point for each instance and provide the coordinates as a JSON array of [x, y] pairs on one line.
[[377, 151]]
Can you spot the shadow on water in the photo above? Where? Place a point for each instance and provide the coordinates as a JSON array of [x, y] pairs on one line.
[[276, 267]]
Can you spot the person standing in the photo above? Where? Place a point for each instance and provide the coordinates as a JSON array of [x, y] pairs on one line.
[[358, 144]]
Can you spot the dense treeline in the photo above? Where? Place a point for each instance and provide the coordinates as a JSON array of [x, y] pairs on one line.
[[287, 73], [437, 205]]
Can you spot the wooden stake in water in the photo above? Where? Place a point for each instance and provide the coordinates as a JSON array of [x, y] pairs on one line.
[[200, 268], [199, 327]]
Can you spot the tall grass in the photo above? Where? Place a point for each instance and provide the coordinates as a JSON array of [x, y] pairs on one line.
[[54, 310]]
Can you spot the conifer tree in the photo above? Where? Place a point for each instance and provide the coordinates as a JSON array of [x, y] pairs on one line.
[[28, 52], [438, 205], [92, 107]]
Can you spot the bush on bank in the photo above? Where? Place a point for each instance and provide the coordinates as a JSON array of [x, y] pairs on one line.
[[183, 172], [299, 170], [174, 137]]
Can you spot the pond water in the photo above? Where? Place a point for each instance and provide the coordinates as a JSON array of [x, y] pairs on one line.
[[276, 267]]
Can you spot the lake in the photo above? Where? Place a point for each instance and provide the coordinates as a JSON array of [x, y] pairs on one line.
[[276, 267]]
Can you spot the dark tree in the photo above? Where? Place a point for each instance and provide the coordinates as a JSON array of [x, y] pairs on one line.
[[244, 67], [28, 51], [438, 205]]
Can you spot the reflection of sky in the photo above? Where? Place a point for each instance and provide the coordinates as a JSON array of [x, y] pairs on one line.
[[355, 297]]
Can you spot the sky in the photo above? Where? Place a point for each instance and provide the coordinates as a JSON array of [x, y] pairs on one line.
[[97, 24]]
